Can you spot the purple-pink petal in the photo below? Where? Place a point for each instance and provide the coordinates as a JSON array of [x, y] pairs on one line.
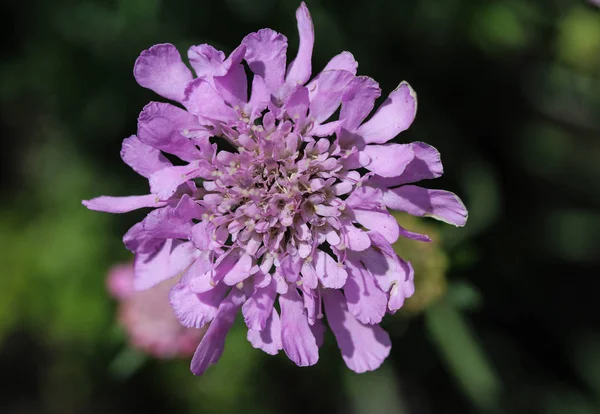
[[364, 347], [269, 338], [122, 204], [258, 307], [167, 262], [300, 69], [358, 101], [298, 341], [426, 164], [366, 301], [389, 160], [394, 115], [206, 60], [439, 204], [161, 69], [163, 126], [211, 347], [142, 158], [194, 310], [265, 54], [331, 273]]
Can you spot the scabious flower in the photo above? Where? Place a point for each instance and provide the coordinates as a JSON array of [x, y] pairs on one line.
[[147, 317], [269, 206]]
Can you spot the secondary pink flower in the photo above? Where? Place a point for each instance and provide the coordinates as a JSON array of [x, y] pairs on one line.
[[271, 207], [148, 318]]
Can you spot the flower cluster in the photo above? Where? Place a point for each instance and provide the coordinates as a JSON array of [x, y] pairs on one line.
[[271, 207], [147, 317]]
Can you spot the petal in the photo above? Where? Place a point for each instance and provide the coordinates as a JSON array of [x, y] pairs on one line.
[[198, 277], [164, 183], [426, 164], [122, 204], [364, 347], [300, 69], [211, 347], [266, 56], [366, 301], [388, 160], [380, 221], [296, 105], [309, 276], [163, 126], [331, 273], [269, 338], [203, 100], [259, 98], [394, 115], [161, 69], [439, 204], [239, 271], [403, 288], [327, 93], [206, 60], [356, 239], [194, 310], [258, 307], [343, 61], [142, 158], [358, 101], [167, 262], [297, 338], [233, 85], [366, 204]]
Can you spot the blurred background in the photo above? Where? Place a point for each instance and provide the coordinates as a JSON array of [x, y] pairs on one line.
[[505, 318]]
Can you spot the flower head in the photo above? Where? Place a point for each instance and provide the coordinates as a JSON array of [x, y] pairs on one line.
[[271, 207], [147, 316]]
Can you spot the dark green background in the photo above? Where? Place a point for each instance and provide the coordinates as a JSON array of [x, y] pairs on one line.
[[509, 92]]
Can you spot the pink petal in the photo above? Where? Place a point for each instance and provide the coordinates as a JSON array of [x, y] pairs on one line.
[[331, 273], [364, 347], [206, 60], [265, 54], [240, 270], [356, 239], [297, 338], [211, 347], [169, 261], [194, 310], [142, 158], [259, 98], [122, 204], [358, 101], [164, 183], [269, 338], [300, 69], [162, 126], [203, 100], [426, 164], [343, 61], [326, 95], [438, 204], [395, 115], [233, 85], [161, 69], [389, 160], [402, 289], [366, 301], [258, 307]]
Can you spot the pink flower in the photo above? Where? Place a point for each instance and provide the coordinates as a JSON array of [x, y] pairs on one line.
[[148, 318], [271, 202]]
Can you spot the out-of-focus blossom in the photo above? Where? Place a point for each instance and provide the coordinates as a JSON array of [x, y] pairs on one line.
[[148, 318], [272, 202]]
